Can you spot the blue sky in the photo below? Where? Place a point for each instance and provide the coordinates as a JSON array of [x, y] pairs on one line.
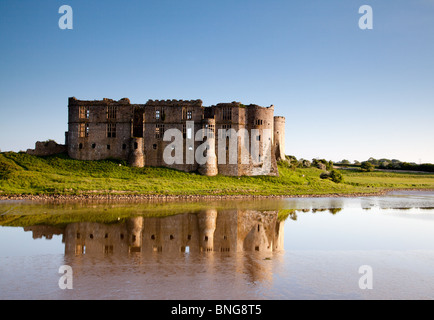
[[346, 93]]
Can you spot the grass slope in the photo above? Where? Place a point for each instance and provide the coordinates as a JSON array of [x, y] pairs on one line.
[[23, 174]]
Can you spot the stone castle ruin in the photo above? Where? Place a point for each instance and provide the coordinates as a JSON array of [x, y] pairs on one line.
[[135, 133]]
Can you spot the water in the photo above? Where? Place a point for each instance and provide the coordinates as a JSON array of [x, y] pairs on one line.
[[306, 248]]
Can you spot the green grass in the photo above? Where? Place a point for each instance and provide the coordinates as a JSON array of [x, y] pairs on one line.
[[23, 174]]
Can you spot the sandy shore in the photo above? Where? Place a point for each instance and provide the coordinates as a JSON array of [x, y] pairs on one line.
[[147, 197]]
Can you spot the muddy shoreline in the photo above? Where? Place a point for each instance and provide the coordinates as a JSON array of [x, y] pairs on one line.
[[165, 198]]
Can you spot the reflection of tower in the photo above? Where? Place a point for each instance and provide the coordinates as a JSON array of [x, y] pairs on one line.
[[134, 231], [278, 236], [210, 167], [207, 225]]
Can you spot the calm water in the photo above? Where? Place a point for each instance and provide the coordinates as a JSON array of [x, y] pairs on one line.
[[310, 248]]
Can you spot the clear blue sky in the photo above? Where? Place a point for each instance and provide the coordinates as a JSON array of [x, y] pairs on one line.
[[346, 93]]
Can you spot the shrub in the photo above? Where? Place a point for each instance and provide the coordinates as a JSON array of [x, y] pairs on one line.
[[333, 175], [367, 167]]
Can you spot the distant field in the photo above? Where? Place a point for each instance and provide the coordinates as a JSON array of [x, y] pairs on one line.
[[22, 174]]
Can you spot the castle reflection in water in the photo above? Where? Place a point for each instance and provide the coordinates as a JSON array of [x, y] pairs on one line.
[[206, 231]]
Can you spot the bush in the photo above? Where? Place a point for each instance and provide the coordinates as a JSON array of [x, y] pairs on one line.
[[367, 167], [336, 176], [333, 175], [322, 164]]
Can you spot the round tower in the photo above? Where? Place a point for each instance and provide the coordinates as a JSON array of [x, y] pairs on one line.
[[279, 137], [210, 167], [137, 157]]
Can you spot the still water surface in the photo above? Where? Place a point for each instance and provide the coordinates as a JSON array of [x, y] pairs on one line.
[[307, 248]]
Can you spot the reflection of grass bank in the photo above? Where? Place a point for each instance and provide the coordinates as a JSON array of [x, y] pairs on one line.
[[22, 174]]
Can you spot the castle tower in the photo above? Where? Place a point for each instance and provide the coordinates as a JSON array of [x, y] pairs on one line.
[[210, 167], [137, 157], [279, 137]]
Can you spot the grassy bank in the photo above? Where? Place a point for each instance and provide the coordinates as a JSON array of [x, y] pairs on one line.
[[22, 174]]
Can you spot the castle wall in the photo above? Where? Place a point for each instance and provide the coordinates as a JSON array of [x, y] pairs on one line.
[[88, 133]]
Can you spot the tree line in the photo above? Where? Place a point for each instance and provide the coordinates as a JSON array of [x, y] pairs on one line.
[[388, 164]]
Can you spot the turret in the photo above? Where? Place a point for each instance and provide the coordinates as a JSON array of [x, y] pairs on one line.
[[279, 137], [210, 167]]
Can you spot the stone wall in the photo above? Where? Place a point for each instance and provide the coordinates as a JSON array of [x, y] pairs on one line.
[[47, 148]]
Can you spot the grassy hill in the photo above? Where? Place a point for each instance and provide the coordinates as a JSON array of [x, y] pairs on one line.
[[23, 174]]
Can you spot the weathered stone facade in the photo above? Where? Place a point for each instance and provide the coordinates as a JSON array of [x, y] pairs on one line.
[[134, 132], [47, 148]]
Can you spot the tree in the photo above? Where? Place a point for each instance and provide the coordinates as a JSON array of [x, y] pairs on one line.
[[367, 166], [345, 161]]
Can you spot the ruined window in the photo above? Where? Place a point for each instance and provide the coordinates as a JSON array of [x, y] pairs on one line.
[[133, 238], [80, 146], [136, 145], [189, 115], [171, 237], [157, 115], [93, 145], [83, 130], [154, 146], [159, 131], [112, 112], [83, 112], [184, 131], [111, 130], [108, 147], [208, 130], [124, 146], [227, 114], [259, 122], [184, 114]]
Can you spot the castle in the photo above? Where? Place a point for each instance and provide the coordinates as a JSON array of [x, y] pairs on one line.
[[107, 128]]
